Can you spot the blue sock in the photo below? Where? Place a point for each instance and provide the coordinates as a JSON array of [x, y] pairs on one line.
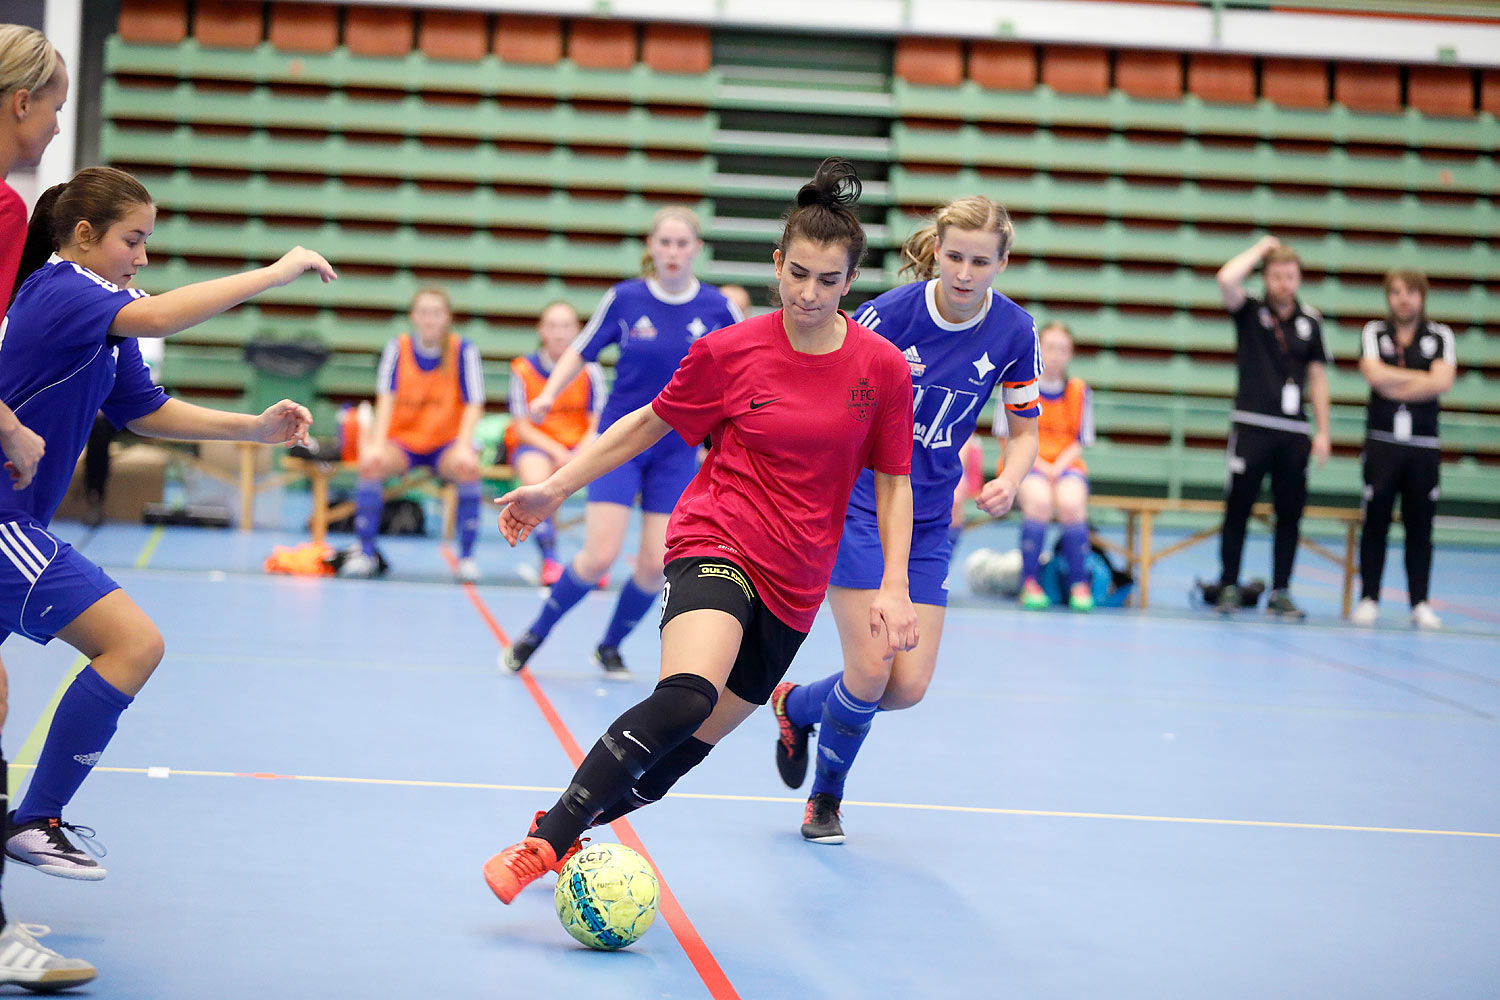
[[1033, 537], [804, 706], [846, 720], [467, 515], [81, 727], [368, 504], [545, 536], [1075, 540], [629, 610], [566, 592]]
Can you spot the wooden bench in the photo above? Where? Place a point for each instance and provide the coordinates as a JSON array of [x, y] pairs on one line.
[[320, 473], [1140, 553]]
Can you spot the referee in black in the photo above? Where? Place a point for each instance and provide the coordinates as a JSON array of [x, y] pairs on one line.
[[1280, 358], [1409, 362]]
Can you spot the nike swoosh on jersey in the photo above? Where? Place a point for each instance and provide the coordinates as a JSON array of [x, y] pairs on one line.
[[767, 402]]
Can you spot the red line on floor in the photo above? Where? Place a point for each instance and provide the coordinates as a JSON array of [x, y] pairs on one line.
[[707, 967]]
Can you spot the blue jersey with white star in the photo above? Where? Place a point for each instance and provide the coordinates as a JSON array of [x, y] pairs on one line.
[[654, 331], [59, 366], [954, 369]]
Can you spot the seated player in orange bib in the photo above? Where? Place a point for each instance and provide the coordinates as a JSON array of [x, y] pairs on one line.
[[1058, 483], [429, 397], [536, 450]]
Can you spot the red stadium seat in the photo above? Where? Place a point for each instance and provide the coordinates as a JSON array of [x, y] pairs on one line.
[[602, 44], [304, 27], [1223, 79], [677, 48], [1373, 87], [153, 22], [1070, 69], [229, 24], [1003, 65], [1295, 83], [931, 62], [458, 35], [1441, 90], [377, 31], [1152, 75], [1489, 91], [521, 38]]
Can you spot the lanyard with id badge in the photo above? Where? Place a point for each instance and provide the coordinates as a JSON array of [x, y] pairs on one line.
[[1291, 392]]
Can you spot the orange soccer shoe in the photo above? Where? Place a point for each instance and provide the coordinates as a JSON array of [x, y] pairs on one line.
[[519, 865], [576, 846]]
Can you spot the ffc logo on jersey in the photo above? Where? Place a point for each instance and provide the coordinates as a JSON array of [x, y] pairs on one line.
[[862, 401], [644, 329]]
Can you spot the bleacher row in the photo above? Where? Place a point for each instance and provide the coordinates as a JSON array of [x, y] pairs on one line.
[[516, 159]]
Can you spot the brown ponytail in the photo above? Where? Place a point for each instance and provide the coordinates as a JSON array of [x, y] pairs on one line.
[[823, 212]]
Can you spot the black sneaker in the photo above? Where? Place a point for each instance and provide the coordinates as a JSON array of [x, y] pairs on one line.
[[43, 845], [791, 743], [608, 658], [1229, 599], [1280, 605], [820, 821], [518, 652]]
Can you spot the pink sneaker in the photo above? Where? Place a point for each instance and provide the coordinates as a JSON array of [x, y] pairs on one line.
[[519, 865]]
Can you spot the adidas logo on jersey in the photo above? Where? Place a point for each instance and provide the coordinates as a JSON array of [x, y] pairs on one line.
[[915, 360], [644, 329], [88, 759]]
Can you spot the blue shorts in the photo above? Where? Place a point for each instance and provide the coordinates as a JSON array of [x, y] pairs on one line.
[[657, 475], [1069, 471], [44, 582], [521, 449], [423, 459], [860, 563]]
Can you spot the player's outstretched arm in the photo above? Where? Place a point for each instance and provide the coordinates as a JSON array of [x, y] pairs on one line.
[[523, 509], [285, 422], [23, 448], [172, 312]]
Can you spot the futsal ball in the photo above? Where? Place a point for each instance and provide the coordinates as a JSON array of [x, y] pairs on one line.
[[991, 572], [606, 896]]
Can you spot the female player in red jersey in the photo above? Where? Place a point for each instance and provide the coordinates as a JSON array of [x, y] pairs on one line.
[[797, 402]]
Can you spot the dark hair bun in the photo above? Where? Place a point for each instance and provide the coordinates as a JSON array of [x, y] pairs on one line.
[[836, 184]]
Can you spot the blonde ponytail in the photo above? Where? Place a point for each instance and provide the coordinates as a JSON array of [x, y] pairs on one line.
[[974, 212]]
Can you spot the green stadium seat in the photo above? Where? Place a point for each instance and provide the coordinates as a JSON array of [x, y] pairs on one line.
[[1188, 159]]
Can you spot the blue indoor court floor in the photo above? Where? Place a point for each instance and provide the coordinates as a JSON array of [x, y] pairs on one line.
[[1123, 805]]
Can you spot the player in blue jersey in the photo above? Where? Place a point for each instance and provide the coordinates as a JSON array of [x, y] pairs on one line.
[[654, 319], [962, 340], [67, 351], [33, 89]]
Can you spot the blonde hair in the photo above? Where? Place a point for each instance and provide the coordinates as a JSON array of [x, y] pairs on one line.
[[27, 59], [974, 212], [1055, 324], [682, 214], [433, 290], [1281, 255]]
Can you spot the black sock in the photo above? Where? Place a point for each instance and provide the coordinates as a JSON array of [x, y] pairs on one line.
[[631, 746], [655, 783]]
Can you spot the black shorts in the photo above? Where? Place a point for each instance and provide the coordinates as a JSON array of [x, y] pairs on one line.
[[769, 644]]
